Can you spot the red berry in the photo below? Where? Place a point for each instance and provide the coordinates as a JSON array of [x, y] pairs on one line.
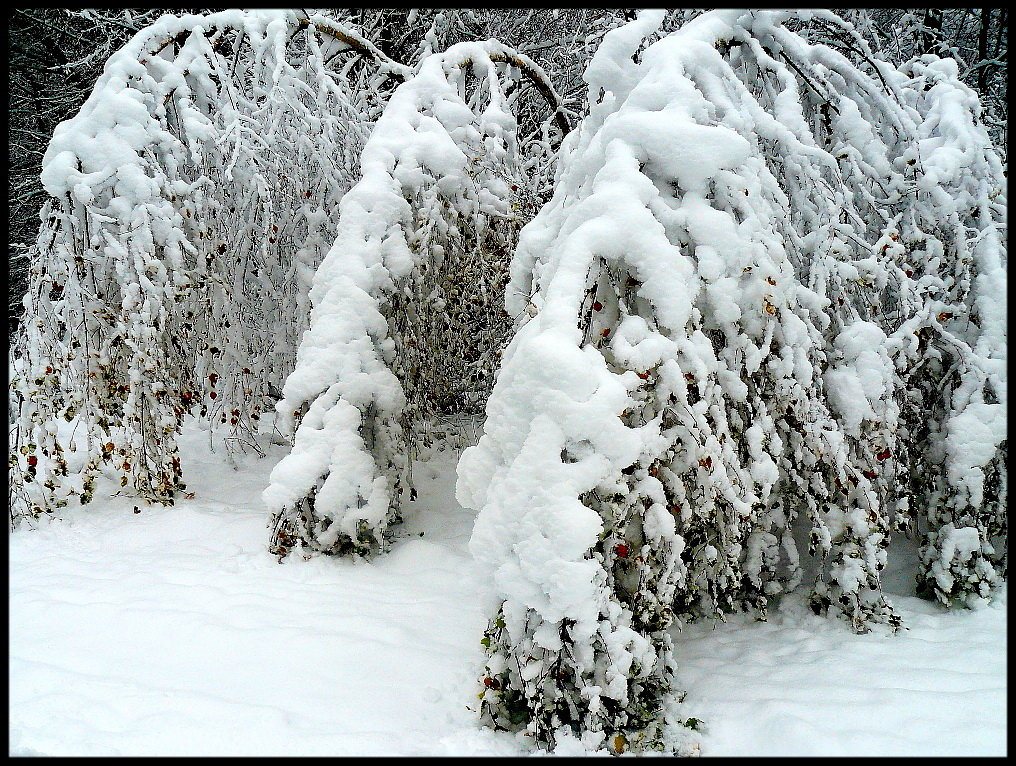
[[213, 394], [606, 332], [621, 551], [884, 454], [33, 460], [597, 306]]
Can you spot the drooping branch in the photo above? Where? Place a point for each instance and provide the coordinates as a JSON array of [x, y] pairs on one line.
[[532, 71], [356, 42], [539, 80]]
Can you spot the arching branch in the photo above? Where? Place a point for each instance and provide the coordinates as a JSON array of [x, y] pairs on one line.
[[539, 80], [357, 42], [536, 77], [346, 35]]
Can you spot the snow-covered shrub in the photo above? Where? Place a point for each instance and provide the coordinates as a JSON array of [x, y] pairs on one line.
[[193, 195], [725, 295], [406, 321], [952, 347]]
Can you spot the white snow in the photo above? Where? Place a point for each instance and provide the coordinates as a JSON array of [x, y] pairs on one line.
[[174, 632], [861, 378], [973, 436], [801, 685]]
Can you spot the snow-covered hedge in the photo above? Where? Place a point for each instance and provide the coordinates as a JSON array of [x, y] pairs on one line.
[[770, 283], [406, 321], [769, 290]]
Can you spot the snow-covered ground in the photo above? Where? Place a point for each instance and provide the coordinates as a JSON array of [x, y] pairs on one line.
[[172, 631]]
